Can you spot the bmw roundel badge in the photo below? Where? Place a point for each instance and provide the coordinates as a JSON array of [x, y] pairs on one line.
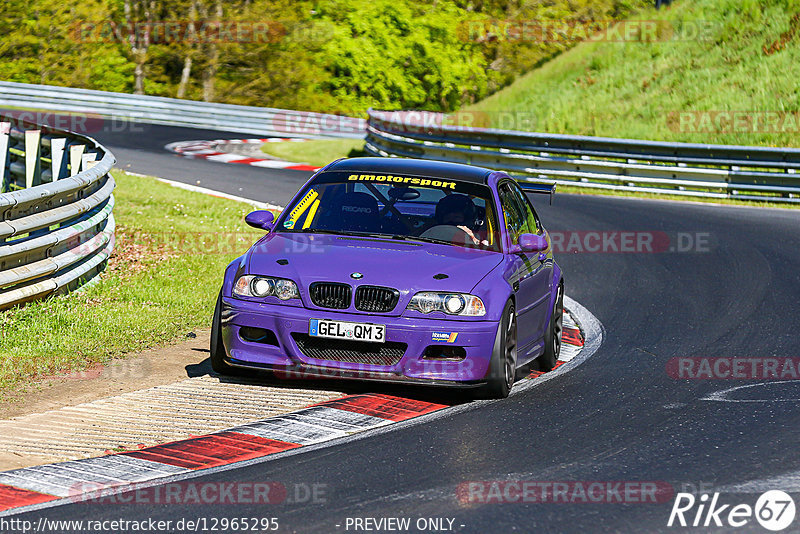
[[356, 276]]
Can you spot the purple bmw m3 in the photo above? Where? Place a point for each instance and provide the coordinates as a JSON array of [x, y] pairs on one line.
[[396, 270]]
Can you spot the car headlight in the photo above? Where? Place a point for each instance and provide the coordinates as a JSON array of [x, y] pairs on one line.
[[265, 286], [449, 303]]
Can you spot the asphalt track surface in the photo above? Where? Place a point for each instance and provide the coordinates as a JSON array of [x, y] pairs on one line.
[[140, 148], [617, 417]]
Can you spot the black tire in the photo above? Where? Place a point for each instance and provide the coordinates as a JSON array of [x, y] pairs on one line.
[[552, 337], [502, 367], [217, 348]]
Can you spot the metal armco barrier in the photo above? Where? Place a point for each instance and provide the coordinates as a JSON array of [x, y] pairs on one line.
[[56, 225], [715, 171], [122, 107]]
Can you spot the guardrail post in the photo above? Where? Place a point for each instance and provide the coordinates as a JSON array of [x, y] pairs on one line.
[[75, 158], [33, 162], [88, 161], [44, 214], [5, 130], [57, 158]]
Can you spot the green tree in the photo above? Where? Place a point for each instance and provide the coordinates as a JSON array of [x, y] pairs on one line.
[[52, 42], [321, 55], [399, 54]]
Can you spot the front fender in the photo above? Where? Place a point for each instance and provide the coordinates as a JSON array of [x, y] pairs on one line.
[[232, 272], [494, 290]]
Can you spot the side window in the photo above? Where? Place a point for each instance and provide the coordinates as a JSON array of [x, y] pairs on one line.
[[532, 220], [513, 214]]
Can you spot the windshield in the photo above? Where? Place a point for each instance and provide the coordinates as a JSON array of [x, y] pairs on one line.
[[398, 207]]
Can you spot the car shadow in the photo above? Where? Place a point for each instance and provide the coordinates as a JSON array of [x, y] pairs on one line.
[[423, 393]]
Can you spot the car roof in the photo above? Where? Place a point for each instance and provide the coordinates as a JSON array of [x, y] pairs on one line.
[[415, 167]]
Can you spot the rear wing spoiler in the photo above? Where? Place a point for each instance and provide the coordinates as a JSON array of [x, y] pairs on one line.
[[536, 187]]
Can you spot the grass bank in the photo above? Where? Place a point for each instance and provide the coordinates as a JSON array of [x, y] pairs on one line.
[[160, 284], [709, 58], [317, 152]]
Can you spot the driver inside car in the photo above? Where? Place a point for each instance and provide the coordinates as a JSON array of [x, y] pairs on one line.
[[459, 211]]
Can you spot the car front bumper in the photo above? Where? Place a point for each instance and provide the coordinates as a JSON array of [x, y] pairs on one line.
[[283, 353]]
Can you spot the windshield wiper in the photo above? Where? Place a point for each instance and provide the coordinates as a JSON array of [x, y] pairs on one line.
[[332, 232], [423, 239], [402, 237], [396, 237]]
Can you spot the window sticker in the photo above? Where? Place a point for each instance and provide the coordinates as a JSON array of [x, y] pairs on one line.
[[447, 337], [388, 178], [302, 206], [311, 213]]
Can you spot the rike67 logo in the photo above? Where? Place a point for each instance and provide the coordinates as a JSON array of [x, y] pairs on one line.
[[774, 510]]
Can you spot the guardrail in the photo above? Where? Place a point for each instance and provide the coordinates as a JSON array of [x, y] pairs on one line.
[[179, 112], [715, 171], [56, 222]]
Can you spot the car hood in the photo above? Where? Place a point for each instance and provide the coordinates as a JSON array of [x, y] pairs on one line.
[[407, 266]]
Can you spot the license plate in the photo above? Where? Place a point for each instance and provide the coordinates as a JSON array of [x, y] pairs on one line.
[[375, 333]]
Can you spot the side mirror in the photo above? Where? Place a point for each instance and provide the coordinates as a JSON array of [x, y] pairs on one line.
[[532, 243], [260, 219]]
